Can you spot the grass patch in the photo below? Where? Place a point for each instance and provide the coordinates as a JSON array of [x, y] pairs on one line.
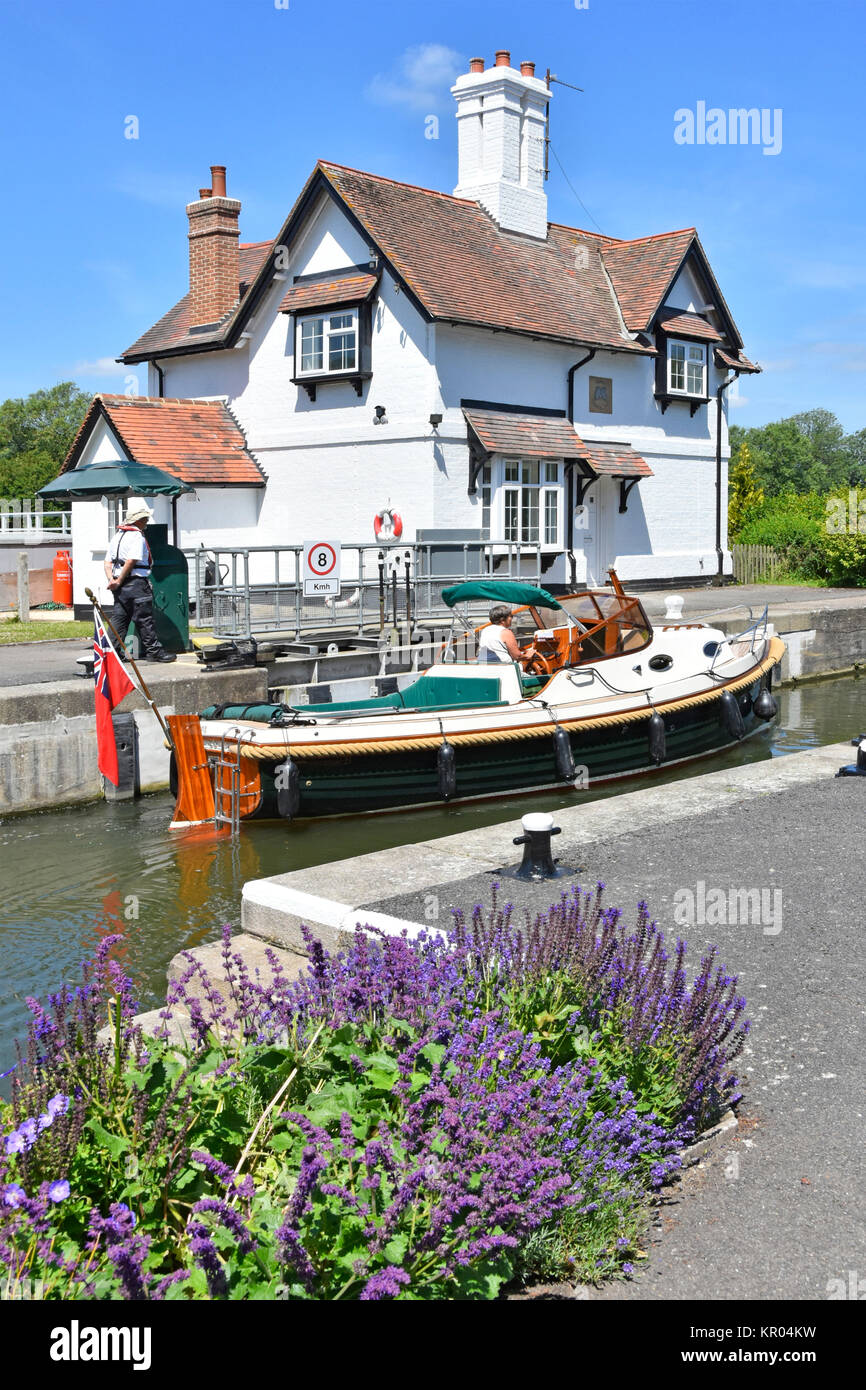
[[13, 630]]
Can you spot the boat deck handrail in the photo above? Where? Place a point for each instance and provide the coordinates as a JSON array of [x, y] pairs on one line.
[[741, 636]]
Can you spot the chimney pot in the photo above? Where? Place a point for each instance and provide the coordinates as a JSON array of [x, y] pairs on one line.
[[476, 64], [527, 69], [205, 192], [218, 180], [503, 58]]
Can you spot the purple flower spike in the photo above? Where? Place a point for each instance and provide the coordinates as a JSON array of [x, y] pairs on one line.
[[27, 1129], [386, 1284]]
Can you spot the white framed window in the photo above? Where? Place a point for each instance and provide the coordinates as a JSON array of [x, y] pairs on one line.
[[327, 343], [114, 507], [485, 501], [687, 369], [522, 502]]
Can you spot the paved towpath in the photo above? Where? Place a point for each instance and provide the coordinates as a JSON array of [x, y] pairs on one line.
[[32, 663], [777, 1209]]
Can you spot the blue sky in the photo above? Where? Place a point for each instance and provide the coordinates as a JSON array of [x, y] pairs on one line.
[[93, 227]]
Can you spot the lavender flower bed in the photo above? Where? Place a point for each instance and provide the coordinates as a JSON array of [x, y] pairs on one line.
[[411, 1119]]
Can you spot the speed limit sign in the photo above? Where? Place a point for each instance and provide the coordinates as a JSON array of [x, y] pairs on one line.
[[321, 567]]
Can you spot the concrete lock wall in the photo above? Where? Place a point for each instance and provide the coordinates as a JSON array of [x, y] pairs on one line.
[[48, 734]]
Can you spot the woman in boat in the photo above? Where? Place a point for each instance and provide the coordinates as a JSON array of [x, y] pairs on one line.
[[497, 642]]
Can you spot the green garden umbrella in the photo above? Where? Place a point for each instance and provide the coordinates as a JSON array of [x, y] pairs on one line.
[[120, 478]]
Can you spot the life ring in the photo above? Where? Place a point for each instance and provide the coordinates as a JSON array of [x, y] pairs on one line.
[[388, 525]]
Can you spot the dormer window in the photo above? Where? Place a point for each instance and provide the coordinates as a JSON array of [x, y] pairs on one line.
[[328, 343], [687, 369], [332, 314], [682, 342]]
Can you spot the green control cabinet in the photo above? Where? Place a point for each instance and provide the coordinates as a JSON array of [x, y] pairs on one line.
[[170, 582]]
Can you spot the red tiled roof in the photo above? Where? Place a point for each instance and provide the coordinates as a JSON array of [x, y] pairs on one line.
[[690, 325], [173, 330], [575, 286], [642, 270], [551, 437], [461, 267], [540, 436], [324, 294], [616, 460], [728, 358], [199, 442]]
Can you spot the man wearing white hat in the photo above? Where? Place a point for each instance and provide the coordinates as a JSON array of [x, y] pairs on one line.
[[127, 568]]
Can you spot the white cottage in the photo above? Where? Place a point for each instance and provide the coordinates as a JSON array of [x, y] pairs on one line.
[[487, 373]]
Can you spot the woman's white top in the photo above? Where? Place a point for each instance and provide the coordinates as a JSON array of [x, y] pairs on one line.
[[491, 647]]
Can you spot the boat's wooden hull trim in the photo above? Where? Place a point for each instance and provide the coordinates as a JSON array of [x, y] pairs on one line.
[[404, 778], [276, 747]]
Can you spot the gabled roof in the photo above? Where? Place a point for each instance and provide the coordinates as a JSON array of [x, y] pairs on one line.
[[199, 442], [458, 267], [462, 269], [176, 330], [643, 270], [551, 437]]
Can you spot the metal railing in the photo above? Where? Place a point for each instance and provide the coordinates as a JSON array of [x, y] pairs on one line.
[[260, 589], [26, 519]]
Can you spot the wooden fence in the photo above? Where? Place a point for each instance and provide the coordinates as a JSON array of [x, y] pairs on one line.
[[756, 564]]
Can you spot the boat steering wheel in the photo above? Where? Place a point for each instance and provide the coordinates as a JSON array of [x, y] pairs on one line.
[[535, 663]]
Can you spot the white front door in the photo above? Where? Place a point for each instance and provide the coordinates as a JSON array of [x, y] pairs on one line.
[[586, 534]]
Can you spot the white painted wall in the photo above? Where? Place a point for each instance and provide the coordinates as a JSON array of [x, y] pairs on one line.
[[330, 468], [686, 292]]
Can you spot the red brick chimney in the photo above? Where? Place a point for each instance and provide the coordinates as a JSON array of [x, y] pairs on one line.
[[213, 250]]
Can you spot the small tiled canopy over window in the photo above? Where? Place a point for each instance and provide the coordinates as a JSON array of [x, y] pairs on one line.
[[522, 461], [332, 327]]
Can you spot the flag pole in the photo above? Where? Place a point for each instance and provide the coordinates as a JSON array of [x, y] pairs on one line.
[[119, 643]]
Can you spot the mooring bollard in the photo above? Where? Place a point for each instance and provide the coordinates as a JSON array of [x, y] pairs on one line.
[[857, 769], [538, 862], [674, 608]]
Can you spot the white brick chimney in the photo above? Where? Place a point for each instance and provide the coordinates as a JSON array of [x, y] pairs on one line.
[[500, 133]]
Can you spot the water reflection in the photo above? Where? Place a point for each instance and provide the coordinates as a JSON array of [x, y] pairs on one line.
[[69, 878]]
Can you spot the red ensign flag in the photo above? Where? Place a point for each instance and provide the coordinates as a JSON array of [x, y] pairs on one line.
[[112, 683]]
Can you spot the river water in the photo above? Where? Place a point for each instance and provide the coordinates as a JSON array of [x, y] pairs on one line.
[[70, 877]]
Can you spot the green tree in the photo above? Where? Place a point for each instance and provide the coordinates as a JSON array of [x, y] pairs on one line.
[[854, 449], [35, 434], [826, 436], [784, 457], [745, 494]]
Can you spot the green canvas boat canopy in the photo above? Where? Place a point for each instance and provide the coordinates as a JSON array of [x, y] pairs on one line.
[[498, 590]]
